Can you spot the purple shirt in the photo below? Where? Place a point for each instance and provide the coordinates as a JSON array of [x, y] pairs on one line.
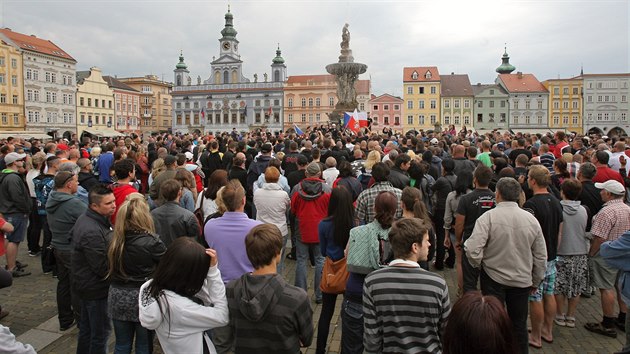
[[226, 235]]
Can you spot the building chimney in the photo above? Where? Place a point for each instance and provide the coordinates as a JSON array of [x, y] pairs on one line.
[[34, 36], [520, 74], [452, 73]]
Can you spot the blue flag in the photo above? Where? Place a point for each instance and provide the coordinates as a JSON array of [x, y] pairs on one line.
[[298, 131]]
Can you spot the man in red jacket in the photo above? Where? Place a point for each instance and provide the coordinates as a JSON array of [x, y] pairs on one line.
[[309, 204]]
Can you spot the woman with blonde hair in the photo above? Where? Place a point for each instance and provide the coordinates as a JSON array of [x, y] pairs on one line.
[[366, 172], [158, 167], [189, 192], [133, 254]]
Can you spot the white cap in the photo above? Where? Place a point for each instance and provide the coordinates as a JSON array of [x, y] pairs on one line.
[[434, 141], [12, 157], [611, 186], [189, 155]]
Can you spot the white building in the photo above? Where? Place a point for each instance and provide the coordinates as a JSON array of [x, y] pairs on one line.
[[528, 102], [49, 83], [605, 102]]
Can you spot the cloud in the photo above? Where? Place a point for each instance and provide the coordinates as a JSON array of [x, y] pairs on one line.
[[546, 38]]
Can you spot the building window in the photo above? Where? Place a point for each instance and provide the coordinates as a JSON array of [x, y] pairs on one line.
[[290, 118], [396, 120], [479, 118], [318, 117], [480, 104], [414, 76], [318, 102], [2, 79], [29, 74], [623, 116], [447, 119], [303, 102], [362, 106], [409, 105], [409, 90], [303, 117], [53, 78], [15, 99], [527, 104], [421, 119], [16, 119], [456, 120], [5, 120], [421, 90], [491, 104], [565, 91], [503, 116], [575, 120], [492, 92], [410, 120], [290, 102], [386, 120], [540, 119], [556, 120], [1, 61], [432, 119], [433, 104], [433, 90], [556, 90], [447, 103], [310, 102], [375, 107], [491, 117], [556, 104], [421, 104], [502, 104], [331, 101], [396, 107], [466, 120]]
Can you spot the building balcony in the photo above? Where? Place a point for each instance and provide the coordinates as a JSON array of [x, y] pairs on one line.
[[146, 115]]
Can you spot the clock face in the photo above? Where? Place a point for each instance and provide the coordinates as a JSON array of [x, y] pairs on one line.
[[226, 45]]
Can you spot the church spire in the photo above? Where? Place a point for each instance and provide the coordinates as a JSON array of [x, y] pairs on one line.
[[229, 31], [505, 67], [181, 64]]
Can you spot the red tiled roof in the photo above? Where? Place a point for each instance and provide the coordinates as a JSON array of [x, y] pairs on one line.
[[421, 70], [386, 97], [525, 83], [362, 86], [35, 44]]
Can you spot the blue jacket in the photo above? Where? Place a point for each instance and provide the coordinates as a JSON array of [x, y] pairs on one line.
[[617, 255], [105, 162]]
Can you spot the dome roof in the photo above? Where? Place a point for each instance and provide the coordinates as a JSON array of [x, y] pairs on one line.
[[278, 59], [505, 67], [181, 64]]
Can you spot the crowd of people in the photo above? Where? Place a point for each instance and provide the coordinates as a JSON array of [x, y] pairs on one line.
[[187, 237]]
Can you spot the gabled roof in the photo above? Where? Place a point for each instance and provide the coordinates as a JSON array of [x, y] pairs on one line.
[[116, 84], [408, 74], [362, 87], [386, 97], [479, 88], [32, 43], [455, 85], [521, 83]]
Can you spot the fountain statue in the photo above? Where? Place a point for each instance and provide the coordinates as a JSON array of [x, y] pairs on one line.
[[346, 73]]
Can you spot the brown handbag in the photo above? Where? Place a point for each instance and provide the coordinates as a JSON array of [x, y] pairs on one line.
[[334, 276]]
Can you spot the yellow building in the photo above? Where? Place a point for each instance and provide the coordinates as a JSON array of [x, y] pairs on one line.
[[95, 103], [565, 103], [11, 88], [421, 96], [155, 102], [309, 99]]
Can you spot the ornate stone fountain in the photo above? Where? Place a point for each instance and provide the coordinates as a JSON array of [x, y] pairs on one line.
[[346, 73]]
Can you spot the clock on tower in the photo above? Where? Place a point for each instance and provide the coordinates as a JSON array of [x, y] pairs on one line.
[[226, 45]]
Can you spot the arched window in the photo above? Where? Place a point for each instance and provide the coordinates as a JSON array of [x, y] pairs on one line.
[[179, 80], [317, 102], [217, 77], [226, 77], [310, 102], [276, 75], [234, 76], [303, 102]]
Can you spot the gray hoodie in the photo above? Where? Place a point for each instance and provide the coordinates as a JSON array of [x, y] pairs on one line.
[[574, 241], [62, 211]]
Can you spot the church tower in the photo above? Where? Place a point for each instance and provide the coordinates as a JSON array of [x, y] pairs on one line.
[[278, 68], [227, 69], [181, 71], [505, 67]]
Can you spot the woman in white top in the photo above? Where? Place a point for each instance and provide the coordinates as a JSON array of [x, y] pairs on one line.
[[206, 200], [185, 298], [272, 204]]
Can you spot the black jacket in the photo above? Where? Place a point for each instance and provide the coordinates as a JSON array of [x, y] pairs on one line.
[[14, 194], [141, 254], [91, 236], [87, 180], [398, 178]]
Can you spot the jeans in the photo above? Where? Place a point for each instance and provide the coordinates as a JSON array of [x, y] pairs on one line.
[[46, 268], [470, 273], [20, 226], [280, 269], [94, 327], [68, 304], [300, 269], [33, 234], [351, 327], [323, 326], [125, 332], [516, 303], [440, 251]]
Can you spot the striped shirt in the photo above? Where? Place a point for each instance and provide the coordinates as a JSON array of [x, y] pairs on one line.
[[405, 310], [547, 160]]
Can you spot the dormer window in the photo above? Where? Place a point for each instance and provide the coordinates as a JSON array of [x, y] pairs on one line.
[[414, 76], [427, 75]]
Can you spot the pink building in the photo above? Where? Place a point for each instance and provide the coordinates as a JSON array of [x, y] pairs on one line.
[[386, 111], [127, 107]]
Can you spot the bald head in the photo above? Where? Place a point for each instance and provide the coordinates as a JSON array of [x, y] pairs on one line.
[[458, 151]]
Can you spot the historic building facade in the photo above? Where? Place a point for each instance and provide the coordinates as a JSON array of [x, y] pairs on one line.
[[310, 98], [227, 99], [528, 102], [11, 88], [386, 112], [456, 100], [490, 107], [126, 106], [155, 102], [95, 102], [49, 83], [565, 103], [421, 93], [606, 107]]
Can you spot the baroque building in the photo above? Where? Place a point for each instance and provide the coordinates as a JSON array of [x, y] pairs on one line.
[[528, 102], [606, 109], [11, 88], [490, 108], [49, 83], [126, 105], [421, 93], [227, 99], [457, 101], [155, 102], [565, 104], [95, 103], [386, 112]]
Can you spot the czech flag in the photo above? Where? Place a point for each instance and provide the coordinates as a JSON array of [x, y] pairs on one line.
[[298, 131], [355, 120]]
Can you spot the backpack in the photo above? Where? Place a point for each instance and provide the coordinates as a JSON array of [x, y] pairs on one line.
[[364, 178], [43, 186]]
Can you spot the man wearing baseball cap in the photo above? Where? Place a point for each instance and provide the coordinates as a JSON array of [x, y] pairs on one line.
[[15, 205], [608, 225]]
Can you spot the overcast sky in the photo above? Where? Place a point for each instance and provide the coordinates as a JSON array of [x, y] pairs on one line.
[[549, 38]]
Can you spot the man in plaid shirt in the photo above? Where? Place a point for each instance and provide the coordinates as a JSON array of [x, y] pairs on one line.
[[365, 202], [608, 225]]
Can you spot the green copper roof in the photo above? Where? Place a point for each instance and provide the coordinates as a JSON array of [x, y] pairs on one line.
[[278, 59], [229, 31], [505, 67], [181, 64]]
